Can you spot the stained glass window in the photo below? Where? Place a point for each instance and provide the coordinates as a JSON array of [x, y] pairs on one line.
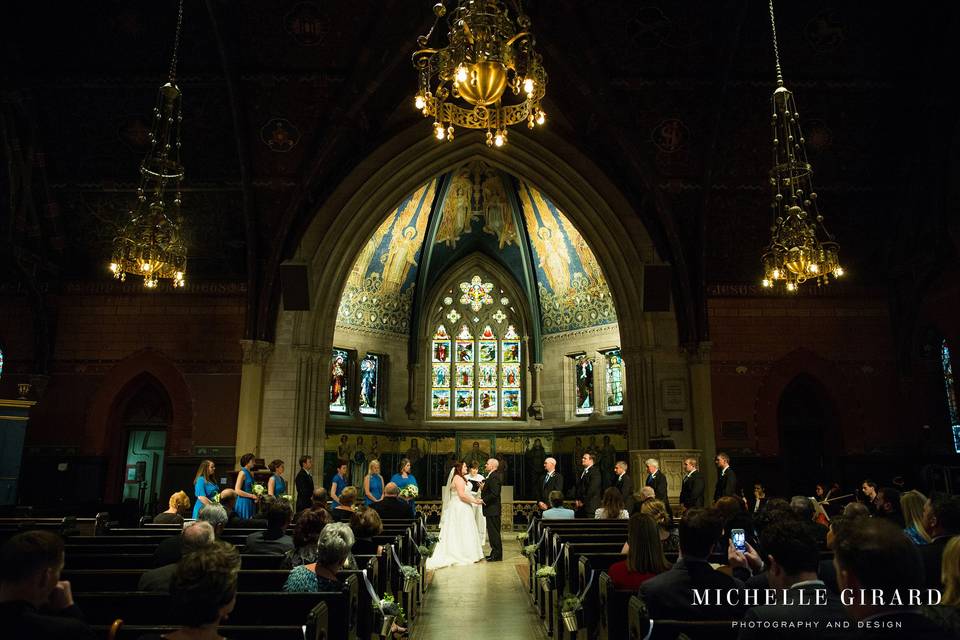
[[476, 371], [952, 413], [614, 362], [1, 362], [370, 385], [339, 389], [584, 373]]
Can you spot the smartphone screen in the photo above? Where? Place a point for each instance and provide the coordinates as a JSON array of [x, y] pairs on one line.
[[739, 539]]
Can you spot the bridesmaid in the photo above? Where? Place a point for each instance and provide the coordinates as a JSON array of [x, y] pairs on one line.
[[373, 484], [276, 486], [245, 497], [403, 478], [204, 486], [339, 482]]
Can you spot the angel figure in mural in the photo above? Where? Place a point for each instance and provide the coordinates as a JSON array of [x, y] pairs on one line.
[[344, 449], [374, 448], [588, 260], [457, 210], [398, 260], [554, 260], [413, 453], [497, 218]]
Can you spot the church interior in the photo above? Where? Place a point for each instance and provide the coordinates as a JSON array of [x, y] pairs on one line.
[[672, 233]]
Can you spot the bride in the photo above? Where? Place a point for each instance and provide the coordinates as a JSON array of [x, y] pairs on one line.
[[459, 539]]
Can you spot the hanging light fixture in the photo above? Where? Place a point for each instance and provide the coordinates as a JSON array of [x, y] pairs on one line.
[[801, 248], [150, 243], [463, 84]]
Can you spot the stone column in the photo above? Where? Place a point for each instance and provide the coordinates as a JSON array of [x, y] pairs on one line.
[[255, 356], [639, 396], [311, 405], [536, 406], [704, 435]]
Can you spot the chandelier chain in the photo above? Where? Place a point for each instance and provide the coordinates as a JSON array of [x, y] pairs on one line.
[[776, 48], [176, 44]]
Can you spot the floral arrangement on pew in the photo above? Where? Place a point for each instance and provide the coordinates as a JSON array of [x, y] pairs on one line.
[[530, 549], [409, 492], [429, 545], [569, 605], [523, 536], [411, 576], [546, 575], [393, 614]]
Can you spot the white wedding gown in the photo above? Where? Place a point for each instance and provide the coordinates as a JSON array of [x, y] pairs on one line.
[[459, 539]]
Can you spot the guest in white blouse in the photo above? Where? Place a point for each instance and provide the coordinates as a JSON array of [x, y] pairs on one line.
[[611, 506]]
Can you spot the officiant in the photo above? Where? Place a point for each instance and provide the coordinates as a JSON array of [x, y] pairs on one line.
[[475, 481]]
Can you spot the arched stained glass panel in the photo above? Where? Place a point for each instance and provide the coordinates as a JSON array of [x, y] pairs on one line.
[[953, 414], [585, 402], [339, 389], [369, 385], [614, 381]]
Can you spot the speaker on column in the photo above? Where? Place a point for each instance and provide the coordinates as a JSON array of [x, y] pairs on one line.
[[295, 286], [656, 287]]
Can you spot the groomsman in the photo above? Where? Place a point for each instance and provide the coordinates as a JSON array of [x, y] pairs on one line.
[[552, 481], [727, 482], [490, 494], [304, 483], [623, 484], [588, 488], [658, 482], [691, 491]]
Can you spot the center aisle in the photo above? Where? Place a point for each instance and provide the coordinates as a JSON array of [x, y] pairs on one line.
[[484, 600]]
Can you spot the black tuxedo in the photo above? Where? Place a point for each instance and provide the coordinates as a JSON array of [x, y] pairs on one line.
[[490, 494], [555, 483], [832, 611], [304, 483], [932, 557], [670, 594], [726, 485], [658, 482], [392, 508], [692, 490], [587, 491], [624, 485]]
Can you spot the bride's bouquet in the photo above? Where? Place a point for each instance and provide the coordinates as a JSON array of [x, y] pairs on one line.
[[409, 492]]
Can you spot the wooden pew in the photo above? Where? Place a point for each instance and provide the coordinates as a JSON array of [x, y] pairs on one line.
[[613, 606], [144, 561], [252, 608], [639, 625], [593, 565], [568, 577], [253, 632]]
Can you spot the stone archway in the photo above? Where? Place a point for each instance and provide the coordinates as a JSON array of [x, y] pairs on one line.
[[102, 429]]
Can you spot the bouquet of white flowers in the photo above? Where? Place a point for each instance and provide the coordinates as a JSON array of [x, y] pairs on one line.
[[259, 489], [409, 492]]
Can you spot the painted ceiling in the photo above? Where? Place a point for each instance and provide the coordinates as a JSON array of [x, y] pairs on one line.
[[477, 209]]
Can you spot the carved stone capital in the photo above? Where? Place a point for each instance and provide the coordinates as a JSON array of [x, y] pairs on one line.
[[256, 351]]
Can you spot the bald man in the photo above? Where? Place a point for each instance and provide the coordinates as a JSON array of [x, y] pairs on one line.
[[552, 481], [490, 494]]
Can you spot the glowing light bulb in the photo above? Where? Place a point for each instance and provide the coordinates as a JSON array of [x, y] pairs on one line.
[[498, 140], [528, 86], [791, 286], [461, 74], [541, 117], [438, 131], [776, 274], [814, 268], [114, 266], [419, 102], [145, 266], [766, 283]]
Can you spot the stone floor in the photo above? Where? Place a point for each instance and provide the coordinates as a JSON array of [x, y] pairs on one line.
[[484, 600]]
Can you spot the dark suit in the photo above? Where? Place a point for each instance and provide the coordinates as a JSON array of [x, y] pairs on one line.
[[157, 580], [304, 482], [658, 482], [832, 611], [392, 508], [587, 491], [22, 620], [624, 485], [670, 594], [932, 557], [692, 490], [726, 485], [490, 494], [547, 486]]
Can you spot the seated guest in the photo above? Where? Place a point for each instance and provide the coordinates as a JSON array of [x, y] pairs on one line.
[[941, 519], [646, 493], [344, 509], [228, 500], [305, 536], [856, 509], [333, 549], [805, 508], [320, 500], [392, 507], [792, 557], [557, 511], [273, 541], [947, 613], [611, 506], [911, 504], [30, 566], [196, 536], [179, 502], [735, 516], [645, 557], [878, 559], [365, 524], [169, 551], [656, 510], [670, 594], [888, 506], [203, 592]]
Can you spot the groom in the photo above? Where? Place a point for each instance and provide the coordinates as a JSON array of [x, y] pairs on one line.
[[490, 494]]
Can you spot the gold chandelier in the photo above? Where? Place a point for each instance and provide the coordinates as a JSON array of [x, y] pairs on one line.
[[463, 84], [150, 243], [796, 252]]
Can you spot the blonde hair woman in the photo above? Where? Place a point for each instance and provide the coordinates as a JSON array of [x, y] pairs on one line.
[[344, 509], [911, 503], [179, 502], [947, 613], [373, 484]]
